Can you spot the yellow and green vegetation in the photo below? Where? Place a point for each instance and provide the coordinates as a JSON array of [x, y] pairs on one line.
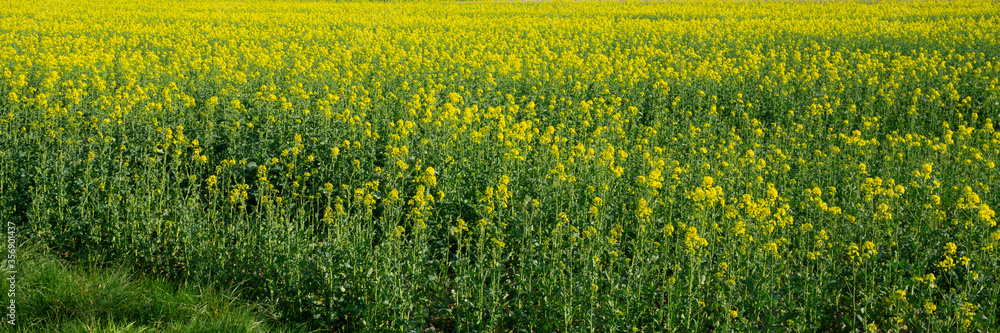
[[521, 166]]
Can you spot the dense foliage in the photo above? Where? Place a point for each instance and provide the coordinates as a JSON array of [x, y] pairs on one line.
[[538, 166]]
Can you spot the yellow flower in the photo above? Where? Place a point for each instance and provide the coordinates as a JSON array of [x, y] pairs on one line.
[[947, 263], [950, 248], [430, 176], [900, 294], [772, 248], [693, 242]]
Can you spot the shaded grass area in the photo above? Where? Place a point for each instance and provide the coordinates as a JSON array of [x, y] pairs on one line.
[[54, 296]]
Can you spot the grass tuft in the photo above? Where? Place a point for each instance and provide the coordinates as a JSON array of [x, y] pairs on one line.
[[60, 297]]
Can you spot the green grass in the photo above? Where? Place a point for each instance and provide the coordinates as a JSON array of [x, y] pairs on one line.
[[56, 296]]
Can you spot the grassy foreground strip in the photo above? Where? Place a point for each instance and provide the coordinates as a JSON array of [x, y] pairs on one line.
[[60, 297]]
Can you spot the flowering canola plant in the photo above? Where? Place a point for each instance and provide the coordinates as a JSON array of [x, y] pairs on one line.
[[546, 166]]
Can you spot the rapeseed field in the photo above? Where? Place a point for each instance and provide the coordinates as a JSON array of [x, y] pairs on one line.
[[521, 166]]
